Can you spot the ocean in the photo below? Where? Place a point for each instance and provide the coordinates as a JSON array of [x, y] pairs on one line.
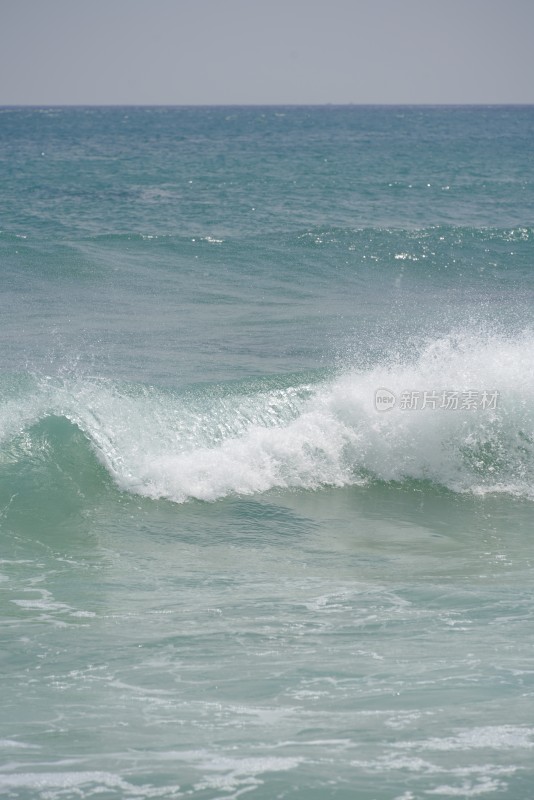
[[267, 453]]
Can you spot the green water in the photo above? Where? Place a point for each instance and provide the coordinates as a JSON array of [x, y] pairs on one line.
[[223, 571]]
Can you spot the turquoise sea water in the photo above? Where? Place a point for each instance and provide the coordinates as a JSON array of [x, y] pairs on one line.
[[224, 570]]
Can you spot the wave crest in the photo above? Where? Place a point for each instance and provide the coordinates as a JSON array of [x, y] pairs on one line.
[[220, 441]]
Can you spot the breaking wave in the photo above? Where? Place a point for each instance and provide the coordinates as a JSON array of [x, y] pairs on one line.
[[298, 432]]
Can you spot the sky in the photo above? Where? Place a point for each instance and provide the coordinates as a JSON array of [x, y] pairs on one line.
[[204, 52]]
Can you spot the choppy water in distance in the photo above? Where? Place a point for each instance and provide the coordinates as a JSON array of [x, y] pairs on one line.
[[223, 569]]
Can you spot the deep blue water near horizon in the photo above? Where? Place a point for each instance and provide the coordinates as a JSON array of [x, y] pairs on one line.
[[224, 571]]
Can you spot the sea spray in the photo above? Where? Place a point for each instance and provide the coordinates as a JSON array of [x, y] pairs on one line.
[[213, 442]]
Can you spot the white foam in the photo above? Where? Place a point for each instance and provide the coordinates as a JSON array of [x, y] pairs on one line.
[[468, 789], [229, 774], [14, 743], [494, 737], [216, 443], [336, 437], [74, 781]]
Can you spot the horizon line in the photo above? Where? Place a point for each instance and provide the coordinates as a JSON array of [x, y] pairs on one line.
[[273, 105]]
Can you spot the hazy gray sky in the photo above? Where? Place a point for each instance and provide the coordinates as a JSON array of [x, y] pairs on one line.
[[266, 51]]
